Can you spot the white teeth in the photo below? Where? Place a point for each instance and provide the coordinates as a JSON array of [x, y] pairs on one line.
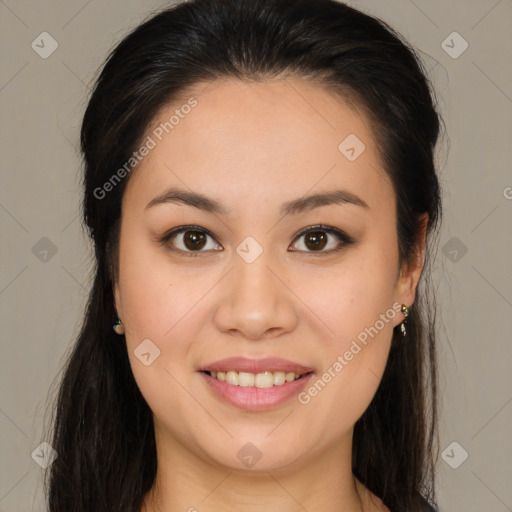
[[264, 380], [290, 376], [260, 380], [245, 379], [279, 378], [232, 378]]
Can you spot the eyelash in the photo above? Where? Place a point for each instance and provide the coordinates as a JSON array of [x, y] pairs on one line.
[[342, 236]]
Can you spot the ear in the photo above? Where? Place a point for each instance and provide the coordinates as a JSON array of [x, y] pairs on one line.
[[117, 300], [410, 272], [113, 269]]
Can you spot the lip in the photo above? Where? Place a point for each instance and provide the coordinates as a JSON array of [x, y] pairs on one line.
[[252, 398], [243, 364]]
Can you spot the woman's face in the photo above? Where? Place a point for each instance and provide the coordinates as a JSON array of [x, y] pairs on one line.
[[251, 276]]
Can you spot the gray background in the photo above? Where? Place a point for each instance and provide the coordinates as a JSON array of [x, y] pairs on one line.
[[42, 294]]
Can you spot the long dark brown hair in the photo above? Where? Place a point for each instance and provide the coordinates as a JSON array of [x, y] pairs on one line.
[[102, 428]]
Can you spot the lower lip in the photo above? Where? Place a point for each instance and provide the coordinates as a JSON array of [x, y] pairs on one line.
[[256, 399]]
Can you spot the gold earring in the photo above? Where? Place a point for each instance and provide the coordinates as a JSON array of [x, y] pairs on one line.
[[405, 311], [119, 327]]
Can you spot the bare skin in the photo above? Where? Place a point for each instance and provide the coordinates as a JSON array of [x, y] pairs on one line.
[[253, 147]]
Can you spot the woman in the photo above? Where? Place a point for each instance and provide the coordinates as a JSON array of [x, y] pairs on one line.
[[260, 189]]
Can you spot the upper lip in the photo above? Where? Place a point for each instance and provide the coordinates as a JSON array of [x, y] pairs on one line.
[[243, 364]]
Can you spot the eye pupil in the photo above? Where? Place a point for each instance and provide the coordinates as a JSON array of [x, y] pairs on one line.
[[194, 240], [318, 239]]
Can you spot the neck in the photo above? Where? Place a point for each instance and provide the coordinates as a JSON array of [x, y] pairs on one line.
[[187, 481]]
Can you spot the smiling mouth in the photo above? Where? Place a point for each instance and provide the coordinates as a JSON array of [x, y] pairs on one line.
[[260, 380]]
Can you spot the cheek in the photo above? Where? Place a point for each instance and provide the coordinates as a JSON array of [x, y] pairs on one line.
[[352, 370], [161, 307], [156, 295], [351, 296], [356, 303], [157, 306]]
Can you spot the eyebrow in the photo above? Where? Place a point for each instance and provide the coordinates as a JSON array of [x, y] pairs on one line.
[[306, 203]]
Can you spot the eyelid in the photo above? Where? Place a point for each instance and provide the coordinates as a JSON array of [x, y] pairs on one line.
[[183, 229], [338, 233]]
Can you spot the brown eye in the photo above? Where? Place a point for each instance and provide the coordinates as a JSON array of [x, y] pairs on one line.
[[315, 240], [194, 240], [190, 241], [321, 240]]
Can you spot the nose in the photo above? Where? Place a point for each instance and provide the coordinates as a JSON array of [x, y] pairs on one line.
[[256, 302]]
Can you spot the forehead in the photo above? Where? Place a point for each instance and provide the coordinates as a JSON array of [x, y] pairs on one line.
[[257, 142]]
